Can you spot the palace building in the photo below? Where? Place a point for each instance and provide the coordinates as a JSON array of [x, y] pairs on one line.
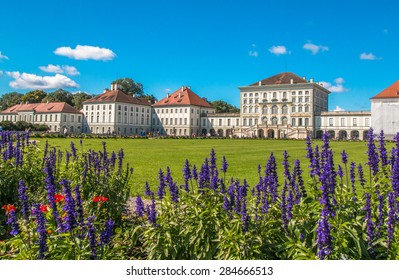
[[282, 106]]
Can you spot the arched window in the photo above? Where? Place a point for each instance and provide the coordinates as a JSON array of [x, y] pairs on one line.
[[274, 121], [264, 110], [284, 121], [264, 120], [274, 109], [285, 109]]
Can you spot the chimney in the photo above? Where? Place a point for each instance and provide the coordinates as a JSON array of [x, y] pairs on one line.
[[105, 90], [311, 80], [112, 86], [180, 94], [167, 95], [189, 87], [183, 88], [134, 95], [117, 86], [304, 77], [260, 83], [291, 81]]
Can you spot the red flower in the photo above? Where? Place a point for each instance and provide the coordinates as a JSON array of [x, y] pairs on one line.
[[44, 208], [8, 208], [59, 197], [100, 199]]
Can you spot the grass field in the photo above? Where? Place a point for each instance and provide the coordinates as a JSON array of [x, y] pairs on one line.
[[147, 156]]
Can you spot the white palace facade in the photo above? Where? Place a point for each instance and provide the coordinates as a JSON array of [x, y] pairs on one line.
[[281, 106]]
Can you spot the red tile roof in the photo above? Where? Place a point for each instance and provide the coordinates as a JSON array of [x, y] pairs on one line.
[[51, 107], [117, 96], [390, 92], [282, 78], [183, 96]]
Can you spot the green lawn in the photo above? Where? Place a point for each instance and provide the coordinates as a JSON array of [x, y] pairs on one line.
[[147, 156]]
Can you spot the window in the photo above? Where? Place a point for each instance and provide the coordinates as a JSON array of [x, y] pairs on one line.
[[274, 121], [300, 92], [220, 122], [274, 94], [293, 109], [274, 109], [284, 121], [244, 122], [342, 121], [299, 121], [256, 109], [367, 122], [285, 109], [250, 110], [65, 118], [293, 99], [293, 93], [300, 109], [306, 121], [306, 108], [245, 95], [171, 121], [244, 110], [300, 99], [293, 121], [171, 111], [264, 110], [306, 99], [228, 122], [250, 122], [284, 94], [330, 121], [354, 121]]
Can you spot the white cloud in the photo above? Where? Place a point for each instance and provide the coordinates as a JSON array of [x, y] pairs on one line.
[[32, 81], [338, 109], [369, 56], [253, 53], [167, 90], [1, 73], [315, 48], [253, 45], [70, 70], [86, 52], [339, 80], [278, 50], [2, 56], [338, 87]]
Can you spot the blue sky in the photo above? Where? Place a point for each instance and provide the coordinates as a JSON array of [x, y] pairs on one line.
[[213, 46]]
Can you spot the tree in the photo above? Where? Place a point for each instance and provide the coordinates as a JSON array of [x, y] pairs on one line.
[[129, 86], [35, 96], [60, 95], [10, 99], [79, 98], [150, 97], [224, 107]]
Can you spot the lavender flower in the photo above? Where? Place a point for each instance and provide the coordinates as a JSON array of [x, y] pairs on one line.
[[315, 165], [271, 180], [283, 206], [212, 161], [382, 149], [13, 222], [174, 192], [352, 178], [286, 165], [24, 200], [290, 204], [41, 229], [70, 218], [194, 173], [148, 191], [225, 165], [120, 160], [344, 157], [73, 150], [340, 172], [139, 206], [151, 213], [106, 235], [91, 234], [324, 239], [162, 185], [244, 215], [380, 210], [186, 174], [361, 175], [372, 153]]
